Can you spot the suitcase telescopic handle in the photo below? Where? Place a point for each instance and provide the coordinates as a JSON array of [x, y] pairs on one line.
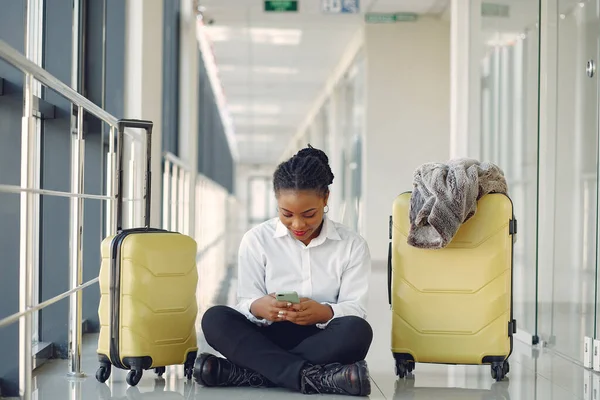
[[147, 126]]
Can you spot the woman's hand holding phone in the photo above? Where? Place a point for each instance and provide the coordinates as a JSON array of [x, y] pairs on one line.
[[308, 312], [267, 307]]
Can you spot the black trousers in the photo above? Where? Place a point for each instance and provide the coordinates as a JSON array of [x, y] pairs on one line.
[[280, 351]]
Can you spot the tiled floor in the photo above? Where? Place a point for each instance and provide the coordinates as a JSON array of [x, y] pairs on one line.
[[534, 374]]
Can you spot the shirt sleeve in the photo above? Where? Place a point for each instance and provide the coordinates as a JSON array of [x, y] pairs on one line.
[[251, 277], [354, 287]]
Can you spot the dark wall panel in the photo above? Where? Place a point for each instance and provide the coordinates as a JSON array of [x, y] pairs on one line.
[[56, 145], [56, 156], [11, 110], [93, 63], [214, 156], [92, 217], [92, 229], [115, 57], [170, 128], [223, 166], [54, 244], [94, 158], [204, 124], [207, 107]]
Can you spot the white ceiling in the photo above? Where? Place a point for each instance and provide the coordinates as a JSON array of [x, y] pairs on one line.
[[273, 66]]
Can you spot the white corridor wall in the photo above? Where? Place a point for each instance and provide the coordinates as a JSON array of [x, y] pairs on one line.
[[408, 114]]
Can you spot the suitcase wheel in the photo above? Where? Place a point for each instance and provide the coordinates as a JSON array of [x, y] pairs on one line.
[[403, 368], [189, 365], [500, 370], [103, 372], [134, 376], [189, 370], [160, 371]]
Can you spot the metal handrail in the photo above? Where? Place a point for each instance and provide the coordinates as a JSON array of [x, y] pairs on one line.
[[15, 317], [179, 206], [28, 191], [19, 189], [18, 60], [177, 187], [173, 159]]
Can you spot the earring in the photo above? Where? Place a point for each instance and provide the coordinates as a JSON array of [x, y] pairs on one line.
[[326, 209]]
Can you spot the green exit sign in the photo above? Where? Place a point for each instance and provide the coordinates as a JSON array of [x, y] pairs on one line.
[[495, 10], [281, 5], [389, 18]]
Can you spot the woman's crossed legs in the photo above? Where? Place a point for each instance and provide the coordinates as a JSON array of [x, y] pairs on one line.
[[301, 358]]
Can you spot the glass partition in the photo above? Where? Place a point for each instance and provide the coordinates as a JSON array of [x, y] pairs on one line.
[[352, 142], [506, 46], [572, 297]]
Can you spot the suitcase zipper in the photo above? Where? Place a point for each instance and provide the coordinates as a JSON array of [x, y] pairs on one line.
[[115, 292]]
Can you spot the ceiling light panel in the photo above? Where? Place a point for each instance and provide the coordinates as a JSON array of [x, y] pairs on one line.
[[256, 35], [415, 6], [272, 70], [273, 66], [277, 37], [275, 70], [261, 109], [245, 120], [255, 137]]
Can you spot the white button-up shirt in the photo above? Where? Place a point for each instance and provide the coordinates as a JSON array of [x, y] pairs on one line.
[[333, 269]]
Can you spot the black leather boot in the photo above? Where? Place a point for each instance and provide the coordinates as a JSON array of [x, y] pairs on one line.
[[210, 370], [350, 379]]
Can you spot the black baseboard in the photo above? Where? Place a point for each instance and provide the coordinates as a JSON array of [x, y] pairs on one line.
[[42, 352], [60, 350], [9, 388], [90, 327]]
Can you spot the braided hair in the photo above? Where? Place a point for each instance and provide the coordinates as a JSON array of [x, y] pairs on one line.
[[307, 170]]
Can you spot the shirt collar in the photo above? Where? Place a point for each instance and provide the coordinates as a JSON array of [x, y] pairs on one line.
[[280, 229], [327, 232]]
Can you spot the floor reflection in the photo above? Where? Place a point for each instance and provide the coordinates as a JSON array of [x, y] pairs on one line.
[[134, 393], [407, 389], [535, 374]]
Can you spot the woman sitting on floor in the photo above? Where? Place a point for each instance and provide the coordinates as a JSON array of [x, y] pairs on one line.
[[318, 345]]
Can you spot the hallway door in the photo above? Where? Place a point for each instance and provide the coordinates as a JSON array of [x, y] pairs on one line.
[[568, 307], [261, 200]]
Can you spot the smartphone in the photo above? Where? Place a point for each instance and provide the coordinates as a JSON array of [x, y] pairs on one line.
[[289, 297]]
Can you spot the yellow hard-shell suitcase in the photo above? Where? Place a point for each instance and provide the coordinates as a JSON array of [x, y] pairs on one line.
[[454, 305], [148, 280]]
